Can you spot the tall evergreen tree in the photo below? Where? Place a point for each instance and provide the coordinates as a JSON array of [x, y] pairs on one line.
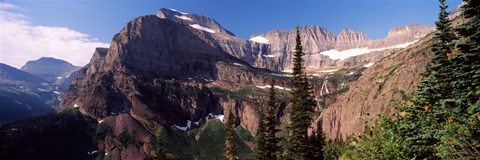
[[318, 142], [230, 149], [271, 142], [424, 116], [461, 131], [303, 104], [261, 149]]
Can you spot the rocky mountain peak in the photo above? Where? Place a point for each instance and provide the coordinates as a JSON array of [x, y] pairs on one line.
[[352, 35], [49, 68], [196, 21], [44, 61], [408, 30], [351, 38], [404, 34]]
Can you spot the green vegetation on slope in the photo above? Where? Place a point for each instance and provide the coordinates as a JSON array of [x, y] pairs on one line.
[[205, 142]]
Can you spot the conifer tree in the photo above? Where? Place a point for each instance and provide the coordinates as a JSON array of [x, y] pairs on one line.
[[318, 142], [426, 114], [460, 135], [271, 142], [230, 149], [261, 150], [303, 104]]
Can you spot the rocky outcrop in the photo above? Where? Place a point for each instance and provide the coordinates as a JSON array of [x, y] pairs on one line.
[[126, 127]]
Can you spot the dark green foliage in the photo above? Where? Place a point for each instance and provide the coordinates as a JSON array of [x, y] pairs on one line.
[[303, 104], [271, 141], [317, 141], [64, 135], [333, 150], [230, 149]]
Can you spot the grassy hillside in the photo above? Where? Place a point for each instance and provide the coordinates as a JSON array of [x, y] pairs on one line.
[[205, 142]]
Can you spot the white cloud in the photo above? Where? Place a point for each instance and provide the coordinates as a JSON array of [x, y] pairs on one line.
[[6, 6], [20, 41]]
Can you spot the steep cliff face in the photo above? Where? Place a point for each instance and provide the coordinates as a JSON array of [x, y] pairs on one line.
[[387, 84], [349, 38]]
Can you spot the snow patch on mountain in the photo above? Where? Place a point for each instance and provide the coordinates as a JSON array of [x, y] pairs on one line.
[[238, 64], [199, 27], [260, 39], [341, 55], [277, 87], [269, 55], [280, 75], [189, 125], [177, 11], [329, 70], [183, 17], [369, 64]]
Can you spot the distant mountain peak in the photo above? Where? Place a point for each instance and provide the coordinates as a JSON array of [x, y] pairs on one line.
[[49, 68]]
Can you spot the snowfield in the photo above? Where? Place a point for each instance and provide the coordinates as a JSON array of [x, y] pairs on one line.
[[260, 39], [183, 17], [199, 27], [341, 55], [369, 64]]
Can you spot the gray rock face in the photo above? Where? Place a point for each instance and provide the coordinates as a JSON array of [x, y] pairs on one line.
[[349, 38]]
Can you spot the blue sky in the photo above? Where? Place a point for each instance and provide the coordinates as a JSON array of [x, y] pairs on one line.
[[98, 20], [104, 18]]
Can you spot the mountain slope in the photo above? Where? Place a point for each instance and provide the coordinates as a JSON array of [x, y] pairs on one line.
[[23, 95], [10, 74], [384, 86]]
